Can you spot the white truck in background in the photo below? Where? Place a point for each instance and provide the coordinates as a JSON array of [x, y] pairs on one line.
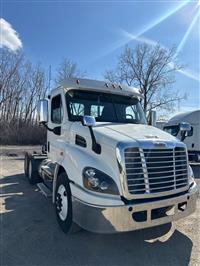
[[192, 141], [104, 167]]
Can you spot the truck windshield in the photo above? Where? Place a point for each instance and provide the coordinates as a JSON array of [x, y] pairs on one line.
[[104, 107], [173, 130]]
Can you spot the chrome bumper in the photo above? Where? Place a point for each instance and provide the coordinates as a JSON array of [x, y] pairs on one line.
[[125, 218]]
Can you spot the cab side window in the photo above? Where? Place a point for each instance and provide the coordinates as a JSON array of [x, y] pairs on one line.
[[56, 110]]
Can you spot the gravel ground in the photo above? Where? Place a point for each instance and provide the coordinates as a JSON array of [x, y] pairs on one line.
[[30, 235]]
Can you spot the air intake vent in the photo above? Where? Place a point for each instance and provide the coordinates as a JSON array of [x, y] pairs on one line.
[[80, 141]]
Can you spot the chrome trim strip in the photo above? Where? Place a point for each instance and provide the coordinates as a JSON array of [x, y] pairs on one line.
[[144, 168]]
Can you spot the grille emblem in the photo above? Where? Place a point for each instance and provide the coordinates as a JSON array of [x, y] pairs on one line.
[[160, 144], [151, 137]]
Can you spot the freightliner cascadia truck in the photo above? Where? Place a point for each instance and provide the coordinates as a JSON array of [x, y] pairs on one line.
[[107, 169]]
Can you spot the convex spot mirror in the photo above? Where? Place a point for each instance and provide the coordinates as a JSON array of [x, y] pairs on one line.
[[88, 121], [42, 111]]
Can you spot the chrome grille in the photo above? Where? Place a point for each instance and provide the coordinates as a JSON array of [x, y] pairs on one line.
[[155, 170]]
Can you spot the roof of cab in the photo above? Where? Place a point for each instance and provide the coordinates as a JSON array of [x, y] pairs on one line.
[[103, 86]]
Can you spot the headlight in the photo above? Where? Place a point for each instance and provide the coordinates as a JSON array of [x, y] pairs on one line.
[[98, 181], [191, 175]]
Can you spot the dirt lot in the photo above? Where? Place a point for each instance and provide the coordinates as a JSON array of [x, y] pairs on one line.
[[30, 235]]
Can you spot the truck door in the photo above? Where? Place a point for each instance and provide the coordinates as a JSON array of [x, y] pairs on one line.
[[55, 143]]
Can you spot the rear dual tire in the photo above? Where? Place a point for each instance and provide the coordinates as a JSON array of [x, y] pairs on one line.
[[31, 169]]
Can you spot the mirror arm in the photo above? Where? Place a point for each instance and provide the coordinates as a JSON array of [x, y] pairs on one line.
[[183, 136], [95, 146], [45, 125], [55, 130]]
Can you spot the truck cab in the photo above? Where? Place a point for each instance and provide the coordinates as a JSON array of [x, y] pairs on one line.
[[192, 138], [105, 168]]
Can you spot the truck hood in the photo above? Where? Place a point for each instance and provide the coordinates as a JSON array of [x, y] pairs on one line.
[[109, 132]]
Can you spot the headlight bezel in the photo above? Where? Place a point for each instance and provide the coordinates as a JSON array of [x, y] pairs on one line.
[[102, 183]]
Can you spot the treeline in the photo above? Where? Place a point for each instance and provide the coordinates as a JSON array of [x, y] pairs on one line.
[[152, 69], [22, 84]]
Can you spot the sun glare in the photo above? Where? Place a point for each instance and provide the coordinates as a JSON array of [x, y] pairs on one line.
[[150, 26], [186, 35]]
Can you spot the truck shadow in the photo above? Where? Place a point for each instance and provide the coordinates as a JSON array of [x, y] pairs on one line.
[[31, 236]]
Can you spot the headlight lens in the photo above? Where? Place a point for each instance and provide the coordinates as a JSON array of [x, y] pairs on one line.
[[191, 175], [98, 181]]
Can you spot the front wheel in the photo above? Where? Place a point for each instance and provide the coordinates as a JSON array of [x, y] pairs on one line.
[[63, 205]]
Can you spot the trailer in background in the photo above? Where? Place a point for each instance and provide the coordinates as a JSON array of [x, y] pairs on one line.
[[193, 140]]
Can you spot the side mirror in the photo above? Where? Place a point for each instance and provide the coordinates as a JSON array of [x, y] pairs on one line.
[[185, 130], [42, 111], [88, 121], [152, 118], [183, 126]]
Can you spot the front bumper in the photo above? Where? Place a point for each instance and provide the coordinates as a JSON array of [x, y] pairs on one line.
[[125, 218]]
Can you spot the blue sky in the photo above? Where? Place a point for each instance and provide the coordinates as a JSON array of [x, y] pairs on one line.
[[93, 33]]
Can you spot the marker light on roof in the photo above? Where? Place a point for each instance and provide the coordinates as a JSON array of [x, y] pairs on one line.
[[78, 81], [120, 87], [106, 84], [113, 85]]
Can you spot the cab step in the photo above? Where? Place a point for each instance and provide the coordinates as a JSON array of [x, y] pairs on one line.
[[44, 190]]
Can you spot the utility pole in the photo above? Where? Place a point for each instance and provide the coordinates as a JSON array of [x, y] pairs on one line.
[[49, 80]]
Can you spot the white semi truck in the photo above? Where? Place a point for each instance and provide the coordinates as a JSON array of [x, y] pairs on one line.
[[105, 168], [193, 140]]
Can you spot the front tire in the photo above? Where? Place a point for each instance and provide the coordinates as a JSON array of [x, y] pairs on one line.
[[63, 205]]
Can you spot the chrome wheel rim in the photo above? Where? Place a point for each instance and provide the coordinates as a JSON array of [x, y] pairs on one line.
[[62, 202]]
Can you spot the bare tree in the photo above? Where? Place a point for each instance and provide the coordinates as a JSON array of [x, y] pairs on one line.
[[9, 66], [151, 69], [21, 86], [68, 69]]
